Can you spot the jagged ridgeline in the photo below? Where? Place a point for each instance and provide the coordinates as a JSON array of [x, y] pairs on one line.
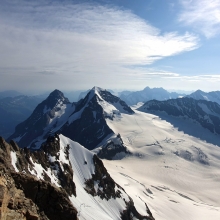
[[202, 112], [62, 180], [84, 122]]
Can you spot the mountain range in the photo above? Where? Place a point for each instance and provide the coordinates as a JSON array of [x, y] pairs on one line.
[[208, 96], [9, 93], [14, 108], [84, 122], [132, 98], [206, 113], [160, 161]]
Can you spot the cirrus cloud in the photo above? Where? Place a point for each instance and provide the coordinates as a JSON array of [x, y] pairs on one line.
[[203, 15], [85, 40]]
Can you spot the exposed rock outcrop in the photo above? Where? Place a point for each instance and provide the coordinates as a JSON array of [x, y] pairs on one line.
[[107, 188], [131, 213], [114, 149], [23, 196]]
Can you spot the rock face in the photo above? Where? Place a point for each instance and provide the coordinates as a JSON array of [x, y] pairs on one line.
[[114, 149], [132, 98], [205, 113], [104, 180], [13, 201], [131, 213], [23, 196]]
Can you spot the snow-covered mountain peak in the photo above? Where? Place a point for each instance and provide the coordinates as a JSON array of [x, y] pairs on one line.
[[56, 97], [109, 103], [97, 89], [88, 123]]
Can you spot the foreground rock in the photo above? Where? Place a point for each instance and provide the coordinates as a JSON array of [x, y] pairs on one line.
[[39, 184], [23, 196]]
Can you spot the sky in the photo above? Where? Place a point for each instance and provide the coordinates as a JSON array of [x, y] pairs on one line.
[[117, 44]]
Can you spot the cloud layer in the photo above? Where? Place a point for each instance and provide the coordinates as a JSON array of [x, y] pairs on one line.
[[88, 43], [203, 15]]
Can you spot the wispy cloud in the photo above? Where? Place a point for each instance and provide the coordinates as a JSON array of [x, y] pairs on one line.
[[203, 15], [83, 41], [197, 78]]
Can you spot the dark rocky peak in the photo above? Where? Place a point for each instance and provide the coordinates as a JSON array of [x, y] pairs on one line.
[[87, 125], [47, 117], [54, 102], [55, 97]]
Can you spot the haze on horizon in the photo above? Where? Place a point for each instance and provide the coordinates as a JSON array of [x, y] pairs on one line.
[[74, 45]]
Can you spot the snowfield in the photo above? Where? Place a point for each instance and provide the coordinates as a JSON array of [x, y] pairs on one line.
[[90, 207], [176, 174]]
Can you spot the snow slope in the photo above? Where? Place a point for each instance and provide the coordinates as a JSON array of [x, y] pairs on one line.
[[82, 163], [90, 207], [176, 174]]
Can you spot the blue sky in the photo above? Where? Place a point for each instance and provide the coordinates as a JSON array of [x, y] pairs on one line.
[[119, 44]]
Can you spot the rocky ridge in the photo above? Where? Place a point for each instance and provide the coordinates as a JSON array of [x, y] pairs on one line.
[[23, 195], [39, 184], [205, 113]]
